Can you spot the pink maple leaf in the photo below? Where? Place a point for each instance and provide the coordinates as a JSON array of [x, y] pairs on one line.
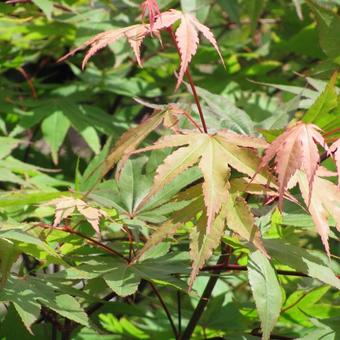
[[186, 36], [151, 8]]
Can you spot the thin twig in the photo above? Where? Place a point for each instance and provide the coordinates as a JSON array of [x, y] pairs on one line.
[[166, 310], [179, 312], [28, 79], [93, 308], [69, 230], [131, 248]]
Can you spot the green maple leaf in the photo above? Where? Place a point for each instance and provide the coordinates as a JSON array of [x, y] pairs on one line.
[[215, 154]]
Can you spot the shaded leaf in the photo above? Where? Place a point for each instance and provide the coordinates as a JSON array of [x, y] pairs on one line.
[[54, 129], [266, 291]]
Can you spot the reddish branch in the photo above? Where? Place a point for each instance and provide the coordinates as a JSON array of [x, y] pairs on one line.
[[98, 244], [28, 79], [191, 83]]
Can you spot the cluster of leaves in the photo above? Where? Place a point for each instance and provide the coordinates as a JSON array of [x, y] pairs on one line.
[[113, 204]]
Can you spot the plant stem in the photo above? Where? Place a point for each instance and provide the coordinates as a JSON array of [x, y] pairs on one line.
[[166, 310], [69, 230], [191, 83], [204, 299], [236, 267], [197, 101], [179, 311]]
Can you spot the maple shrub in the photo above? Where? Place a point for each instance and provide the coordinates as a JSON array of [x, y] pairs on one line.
[[135, 204]]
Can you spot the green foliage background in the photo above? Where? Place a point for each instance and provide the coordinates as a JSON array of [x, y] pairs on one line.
[[58, 123]]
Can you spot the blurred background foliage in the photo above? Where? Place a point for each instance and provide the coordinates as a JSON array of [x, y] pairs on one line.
[[55, 118]]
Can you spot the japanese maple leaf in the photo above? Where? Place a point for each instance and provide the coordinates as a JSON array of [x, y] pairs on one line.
[[296, 149], [134, 34], [324, 203], [215, 154], [65, 206], [186, 36], [151, 8], [335, 150]]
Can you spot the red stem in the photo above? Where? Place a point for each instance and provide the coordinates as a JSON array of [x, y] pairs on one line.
[[191, 83], [329, 133], [166, 310]]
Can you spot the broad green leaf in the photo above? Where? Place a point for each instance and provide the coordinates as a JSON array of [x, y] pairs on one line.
[[7, 175], [8, 255], [301, 260], [23, 238], [67, 306], [226, 113], [91, 138], [266, 291], [326, 102], [29, 293], [214, 316], [54, 129], [133, 186], [122, 279], [122, 326], [325, 329], [14, 199], [329, 29], [7, 144], [200, 8], [303, 302]]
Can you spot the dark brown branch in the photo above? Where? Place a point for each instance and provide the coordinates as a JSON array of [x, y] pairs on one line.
[[223, 259], [227, 267], [179, 312], [93, 308], [166, 310]]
